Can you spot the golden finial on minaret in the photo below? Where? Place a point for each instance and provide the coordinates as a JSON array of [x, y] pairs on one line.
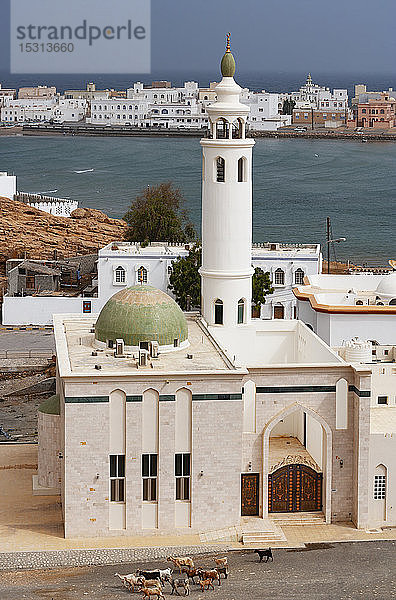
[[228, 48]]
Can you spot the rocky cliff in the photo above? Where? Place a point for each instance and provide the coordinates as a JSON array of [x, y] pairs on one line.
[[24, 229]]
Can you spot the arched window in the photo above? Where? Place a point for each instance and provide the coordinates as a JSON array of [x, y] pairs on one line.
[[359, 303], [241, 311], [299, 277], [142, 275], [279, 277], [218, 312], [222, 128], [237, 129], [220, 169], [392, 302], [119, 275], [380, 483], [241, 169], [164, 111]]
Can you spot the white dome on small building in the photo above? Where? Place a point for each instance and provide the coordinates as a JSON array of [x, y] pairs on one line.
[[386, 288]]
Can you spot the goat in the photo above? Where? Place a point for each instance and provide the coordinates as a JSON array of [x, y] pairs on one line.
[[211, 574], [266, 553], [149, 574], [181, 561], [223, 571], [191, 573], [206, 583], [151, 583], [165, 575], [130, 581], [153, 591], [182, 583], [221, 562]]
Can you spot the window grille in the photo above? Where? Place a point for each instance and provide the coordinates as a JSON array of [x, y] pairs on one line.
[[379, 487], [117, 477], [382, 399], [299, 277], [142, 275], [149, 476], [119, 275], [279, 277], [183, 475]]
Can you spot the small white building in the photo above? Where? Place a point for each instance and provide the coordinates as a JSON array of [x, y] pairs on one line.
[[264, 111], [312, 95], [7, 185], [340, 307], [56, 109], [59, 207]]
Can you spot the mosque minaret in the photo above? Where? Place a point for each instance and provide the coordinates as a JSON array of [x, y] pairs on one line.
[[227, 206]]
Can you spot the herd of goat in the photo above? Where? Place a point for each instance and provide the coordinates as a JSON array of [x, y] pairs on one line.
[[152, 583]]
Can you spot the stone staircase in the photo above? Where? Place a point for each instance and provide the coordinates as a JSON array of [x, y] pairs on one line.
[[294, 519], [261, 532]]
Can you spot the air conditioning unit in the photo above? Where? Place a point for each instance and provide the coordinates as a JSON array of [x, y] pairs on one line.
[[143, 358], [119, 348], [154, 349]]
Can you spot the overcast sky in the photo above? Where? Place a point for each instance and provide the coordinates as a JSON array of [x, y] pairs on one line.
[[345, 36]]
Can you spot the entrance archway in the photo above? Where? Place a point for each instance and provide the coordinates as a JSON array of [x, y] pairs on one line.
[[314, 437]]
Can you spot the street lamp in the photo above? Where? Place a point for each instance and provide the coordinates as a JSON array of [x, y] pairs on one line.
[[337, 240]]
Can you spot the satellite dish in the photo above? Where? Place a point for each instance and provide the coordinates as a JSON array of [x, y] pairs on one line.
[[392, 263]]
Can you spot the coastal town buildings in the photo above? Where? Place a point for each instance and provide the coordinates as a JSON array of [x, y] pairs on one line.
[[166, 422], [39, 91], [312, 95], [330, 118], [377, 113], [363, 95], [55, 109]]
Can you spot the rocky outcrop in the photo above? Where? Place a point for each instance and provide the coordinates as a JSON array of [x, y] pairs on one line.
[[26, 230]]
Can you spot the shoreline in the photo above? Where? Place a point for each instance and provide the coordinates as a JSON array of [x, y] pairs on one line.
[[97, 131]]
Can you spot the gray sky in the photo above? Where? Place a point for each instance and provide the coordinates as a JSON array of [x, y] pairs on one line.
[[338, 36]]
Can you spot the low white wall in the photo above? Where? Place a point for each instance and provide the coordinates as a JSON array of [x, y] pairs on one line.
[[39, 310]]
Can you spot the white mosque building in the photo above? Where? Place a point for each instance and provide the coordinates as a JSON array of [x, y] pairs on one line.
[[167, 422]]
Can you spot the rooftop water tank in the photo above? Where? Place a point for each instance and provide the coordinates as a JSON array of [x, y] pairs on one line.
[[357, 350]]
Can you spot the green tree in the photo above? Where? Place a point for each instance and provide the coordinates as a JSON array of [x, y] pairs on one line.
[[158, 215], [185, 280], [261, 286]]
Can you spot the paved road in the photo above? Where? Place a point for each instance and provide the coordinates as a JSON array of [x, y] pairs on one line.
[[26, 340], [363, 570]]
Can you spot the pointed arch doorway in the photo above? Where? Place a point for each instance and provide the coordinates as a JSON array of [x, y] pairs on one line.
[[297, 470]]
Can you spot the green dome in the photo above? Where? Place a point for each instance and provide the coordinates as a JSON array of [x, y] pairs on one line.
[[228, 65], [50, 406], [141, 313]]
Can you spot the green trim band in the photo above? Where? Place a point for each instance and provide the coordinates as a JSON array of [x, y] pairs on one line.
[[296, 389], [134, 398], [360, 393], [85, 399], [167, 398], [199, 397]]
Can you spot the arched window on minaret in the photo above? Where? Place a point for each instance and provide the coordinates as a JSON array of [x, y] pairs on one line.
[[238, 129], [220, 169], [222, 129], [241, 311], [219, 310], [242, 169]]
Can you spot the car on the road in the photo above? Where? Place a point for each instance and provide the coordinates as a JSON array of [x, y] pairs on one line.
[[300, 129]]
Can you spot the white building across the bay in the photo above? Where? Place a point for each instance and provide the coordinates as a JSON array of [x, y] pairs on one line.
[[166, 422]]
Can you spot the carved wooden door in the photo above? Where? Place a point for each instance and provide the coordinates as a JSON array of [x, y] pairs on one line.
[[250, 494], [294, 488]]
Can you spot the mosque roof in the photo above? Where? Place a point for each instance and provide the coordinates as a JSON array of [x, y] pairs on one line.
[[141, 313]]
